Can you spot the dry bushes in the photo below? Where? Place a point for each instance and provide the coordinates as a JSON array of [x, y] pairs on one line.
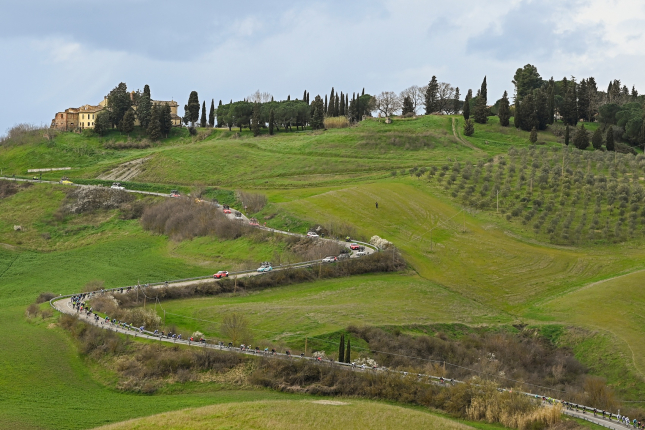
[[90, 199], [523, 356], [336, 122], [311, 249], [23, 134], [9, 188], [45, 297], [253, 202], [129, 144], [182, 219]]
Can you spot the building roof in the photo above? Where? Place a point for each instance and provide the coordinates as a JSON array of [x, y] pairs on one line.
[[170, 103], [90, 109]]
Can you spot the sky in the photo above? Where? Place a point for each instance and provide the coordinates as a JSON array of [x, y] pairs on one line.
[[67, 53]]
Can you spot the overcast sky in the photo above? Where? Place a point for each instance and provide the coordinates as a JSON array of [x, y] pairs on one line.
[[66, 53]]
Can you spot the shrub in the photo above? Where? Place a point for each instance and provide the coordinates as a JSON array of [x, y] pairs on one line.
[[45, 297], [253, 202], [336, 122]]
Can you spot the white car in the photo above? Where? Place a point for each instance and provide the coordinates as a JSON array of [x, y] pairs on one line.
[[330, 259], [117, 186], [262, 269], [312, 234]]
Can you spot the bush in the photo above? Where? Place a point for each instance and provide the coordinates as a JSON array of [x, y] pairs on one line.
[[45, 297], [129, 144], [336, 122], [24, 134], [253, 202]]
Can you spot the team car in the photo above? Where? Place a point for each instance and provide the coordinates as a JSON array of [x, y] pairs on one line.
[[265, 268], [117, 186], [356, 247], [254, 222], [226, 209], [221, 274], [175, 193], [330, 259], [312, 234]]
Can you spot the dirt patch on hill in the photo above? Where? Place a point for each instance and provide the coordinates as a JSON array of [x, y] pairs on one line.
[[126, 171]]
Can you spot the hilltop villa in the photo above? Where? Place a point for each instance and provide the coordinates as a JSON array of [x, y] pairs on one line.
[[83, 117]]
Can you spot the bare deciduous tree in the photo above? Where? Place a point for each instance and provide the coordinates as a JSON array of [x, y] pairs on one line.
[[416, 94], [258, 97], [445, 98], [235, 326], [388, 103]]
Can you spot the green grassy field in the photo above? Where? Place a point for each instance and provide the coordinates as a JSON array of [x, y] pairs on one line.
[[294, 414], [468, 266]]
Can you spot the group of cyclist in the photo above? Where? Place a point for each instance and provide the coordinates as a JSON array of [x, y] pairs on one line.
[[604, 414]]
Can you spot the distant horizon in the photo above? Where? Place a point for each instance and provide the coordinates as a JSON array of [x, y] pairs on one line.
[[71, 54]]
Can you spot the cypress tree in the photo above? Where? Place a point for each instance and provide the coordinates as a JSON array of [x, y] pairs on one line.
[[455, 106], [256, 119], [408, 106], [144, 108], [304, 96], [541, 109], [341, 348], [596, 139], [533, 137], [202, 121], [127, 123], [307, 98], [289, 98], [332, 101], [154, 126], [325, 106], [348, 352], [271, 121], [318, 115], [609, 144], [347, 104], [551, 101], [466, 110], [566, 135], [517, 118], [219, 120], [211, 114], [483, 92], [431, 96], [165, 119], [192, 108], [363, 93], [481, 111], [342, 104], [504, 112], [583, 101], [337, 108], [469, 128], [581, 141]]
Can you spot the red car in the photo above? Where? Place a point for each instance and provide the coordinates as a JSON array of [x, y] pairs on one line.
[[354, 246], [221, 274], [226, 209]]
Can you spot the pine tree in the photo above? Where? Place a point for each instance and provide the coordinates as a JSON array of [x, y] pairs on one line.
[[408, 106], [455, 106], [127, 123], [483, 92], [348, 352], [165, 119], [533, 136], [469, 128], [202, 122], [566, 135], [609, 143], [481, 111], [154, 126], [341, 348], [504, 111], [271, 121], [431, 96], [256, 119], [144, 108], [596, 139], [581, 141], [211, 114], [466, 110]]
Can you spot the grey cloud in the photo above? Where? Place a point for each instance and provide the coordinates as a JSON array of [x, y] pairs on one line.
[[531, 31]]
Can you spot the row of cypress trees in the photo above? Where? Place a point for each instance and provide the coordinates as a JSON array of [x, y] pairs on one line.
[[344, 354]]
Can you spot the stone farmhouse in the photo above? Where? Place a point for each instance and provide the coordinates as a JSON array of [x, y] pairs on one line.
[[83, 117]]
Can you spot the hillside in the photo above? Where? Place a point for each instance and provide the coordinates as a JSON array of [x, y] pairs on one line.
[[469, 264]]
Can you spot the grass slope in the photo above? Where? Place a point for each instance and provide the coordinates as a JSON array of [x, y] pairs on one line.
[[294, 414]]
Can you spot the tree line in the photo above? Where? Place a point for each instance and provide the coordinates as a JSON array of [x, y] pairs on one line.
[[123, 108]]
